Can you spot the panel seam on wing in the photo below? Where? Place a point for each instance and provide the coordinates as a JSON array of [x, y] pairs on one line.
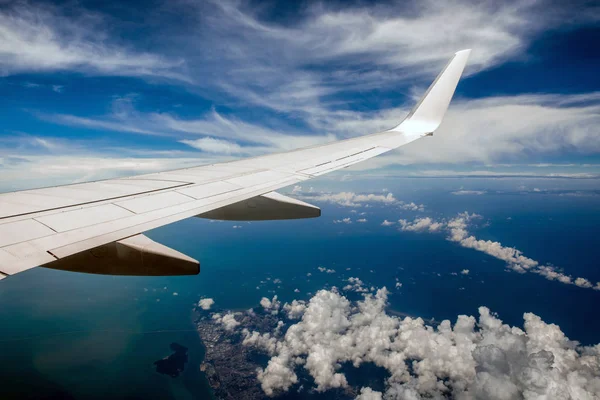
[[94, 201]]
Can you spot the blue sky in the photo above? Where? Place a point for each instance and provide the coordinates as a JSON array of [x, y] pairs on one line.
[[97, 89]]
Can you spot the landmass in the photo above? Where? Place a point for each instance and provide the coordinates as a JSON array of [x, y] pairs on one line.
[[229, 366], [174, 364]]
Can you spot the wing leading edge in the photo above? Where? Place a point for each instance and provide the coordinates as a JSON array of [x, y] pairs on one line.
[[45, 226]]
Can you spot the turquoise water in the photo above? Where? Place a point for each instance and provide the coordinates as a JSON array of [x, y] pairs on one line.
[[66, 334], [94, 337]]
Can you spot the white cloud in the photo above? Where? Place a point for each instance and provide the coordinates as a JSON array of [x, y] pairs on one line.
[[347, 36], [40, 170], [39, 38], [469, 192], [420, 225], [362, 220], [342, 221], [495, 128], [228, 320], [582, 282], [366, 393], [352, 199], [387, 223], [412, 206], [326, 270], [514, 258], [356, 285], [220, 134], [295, 309], [211, 145], [271, 66], [465, 272], [206, 304], [264, 341], [475, 130], [472, 358], [271, 305]]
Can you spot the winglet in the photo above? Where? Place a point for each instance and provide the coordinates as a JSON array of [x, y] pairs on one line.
[[427, 115]]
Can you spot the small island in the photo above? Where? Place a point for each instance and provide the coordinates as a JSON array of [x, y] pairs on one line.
[[174, 364]]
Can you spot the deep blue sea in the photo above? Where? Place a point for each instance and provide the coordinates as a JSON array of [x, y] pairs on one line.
[[76, 335]]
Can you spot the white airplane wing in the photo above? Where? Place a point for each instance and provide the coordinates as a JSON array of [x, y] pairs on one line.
[[97, 227]]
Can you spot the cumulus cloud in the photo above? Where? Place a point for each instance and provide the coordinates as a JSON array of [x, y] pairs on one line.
[[366, 393], [472, 358], [228, 320], [465, 272], [326, 270], [206, 304], [457, 229], [420, 225], [387, 223], [469, 192], [352, 199], [265, 341], [271, 305], [356, 285], [343, 221], [361, 220], [295, 309]]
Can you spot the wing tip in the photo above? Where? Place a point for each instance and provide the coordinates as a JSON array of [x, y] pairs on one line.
[[428, 113]]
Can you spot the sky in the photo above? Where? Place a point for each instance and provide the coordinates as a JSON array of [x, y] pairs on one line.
[[92, 90]]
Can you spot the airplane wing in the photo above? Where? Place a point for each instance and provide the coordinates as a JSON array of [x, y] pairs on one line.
[[97, 227]]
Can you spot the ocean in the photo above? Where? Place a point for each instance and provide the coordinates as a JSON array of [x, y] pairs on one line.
[[76, 335]]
